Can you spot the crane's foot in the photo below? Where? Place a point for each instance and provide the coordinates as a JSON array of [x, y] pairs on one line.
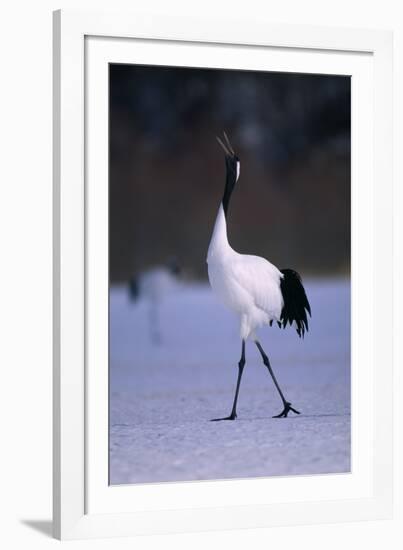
[[286, 410], [232, 416]]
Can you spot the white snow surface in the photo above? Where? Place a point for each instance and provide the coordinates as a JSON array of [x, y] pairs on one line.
[[163, 397]]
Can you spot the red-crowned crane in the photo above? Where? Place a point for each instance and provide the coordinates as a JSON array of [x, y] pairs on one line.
[[252, 287], [153, 285]]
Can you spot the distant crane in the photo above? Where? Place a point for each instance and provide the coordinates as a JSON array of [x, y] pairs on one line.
[[252, 287], [154, 285]]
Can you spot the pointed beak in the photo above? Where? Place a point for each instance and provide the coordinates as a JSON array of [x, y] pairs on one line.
[[229, 146], [226, 145], [226, 151]]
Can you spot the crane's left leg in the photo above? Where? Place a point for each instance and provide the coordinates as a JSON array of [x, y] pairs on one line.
[[286, 404], [241, 366]]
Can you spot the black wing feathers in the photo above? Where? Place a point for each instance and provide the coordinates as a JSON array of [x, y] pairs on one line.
[[295, 302]]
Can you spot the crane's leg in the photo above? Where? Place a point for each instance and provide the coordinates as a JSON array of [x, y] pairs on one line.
[[286, 404], [241, 365]]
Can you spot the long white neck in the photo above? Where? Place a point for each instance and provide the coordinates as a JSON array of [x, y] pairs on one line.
[[219, 245]]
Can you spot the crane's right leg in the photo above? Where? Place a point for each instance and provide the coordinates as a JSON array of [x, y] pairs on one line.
[[286, 404], [241, 365]]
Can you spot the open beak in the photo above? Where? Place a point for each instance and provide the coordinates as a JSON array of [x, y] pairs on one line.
[[226, 146]]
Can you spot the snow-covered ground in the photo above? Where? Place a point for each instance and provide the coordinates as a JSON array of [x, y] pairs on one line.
[[163, 396]]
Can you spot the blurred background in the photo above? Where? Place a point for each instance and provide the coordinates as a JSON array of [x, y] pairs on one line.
[[174, 348], [292, 134]]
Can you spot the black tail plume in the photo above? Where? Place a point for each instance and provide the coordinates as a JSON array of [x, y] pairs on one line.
[[295, 302]]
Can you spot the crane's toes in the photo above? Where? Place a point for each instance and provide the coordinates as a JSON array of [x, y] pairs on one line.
[[286, 410], [232, 416]]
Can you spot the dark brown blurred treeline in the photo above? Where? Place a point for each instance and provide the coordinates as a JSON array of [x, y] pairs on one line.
[[292, 134]]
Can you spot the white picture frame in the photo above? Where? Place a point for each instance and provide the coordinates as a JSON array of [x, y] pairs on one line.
[[84, 505]]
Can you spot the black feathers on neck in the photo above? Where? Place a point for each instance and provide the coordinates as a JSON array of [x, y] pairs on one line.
[[230, 181]]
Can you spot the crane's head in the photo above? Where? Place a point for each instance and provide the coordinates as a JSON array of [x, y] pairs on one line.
[[232, 162], [233, 165]]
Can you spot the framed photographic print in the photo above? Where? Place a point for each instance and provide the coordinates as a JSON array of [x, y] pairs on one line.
[[222, 216]]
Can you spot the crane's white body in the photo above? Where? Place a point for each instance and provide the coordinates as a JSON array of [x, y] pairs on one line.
[[248, 285]]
